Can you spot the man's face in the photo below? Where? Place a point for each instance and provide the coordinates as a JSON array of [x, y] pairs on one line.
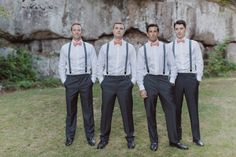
[[180, 31], [76, 32], [152, 33], [118, 31]]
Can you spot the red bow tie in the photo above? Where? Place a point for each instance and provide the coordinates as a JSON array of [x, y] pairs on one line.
[[180, 41], [118, 42], [75, 43], [154, 43]]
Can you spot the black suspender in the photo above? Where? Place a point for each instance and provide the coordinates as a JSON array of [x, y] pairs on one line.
[[85, 53], [164, 58], [107, 58], [145, 55], [126, 58], [190, 53], [69, 57]]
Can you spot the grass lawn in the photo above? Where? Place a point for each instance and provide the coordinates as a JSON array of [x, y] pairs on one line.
[[32, 123]]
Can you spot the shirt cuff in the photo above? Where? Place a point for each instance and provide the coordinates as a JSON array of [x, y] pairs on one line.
[[133, 80], [93, 79], [100, 79], [199, 78], [172, 80], [63, 80], [141, 87]]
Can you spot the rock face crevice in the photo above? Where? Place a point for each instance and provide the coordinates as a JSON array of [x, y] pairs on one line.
[[43, 26]]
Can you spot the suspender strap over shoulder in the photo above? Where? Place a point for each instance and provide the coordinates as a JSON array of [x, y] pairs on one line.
[[164, 58], [69, 58], [85, 54], [107, 58], [190, 55], [145, 55], [126, 58]]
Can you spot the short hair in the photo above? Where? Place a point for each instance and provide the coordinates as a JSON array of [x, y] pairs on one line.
[[118, 23], [180, 22], [152, 25], [74, 25]]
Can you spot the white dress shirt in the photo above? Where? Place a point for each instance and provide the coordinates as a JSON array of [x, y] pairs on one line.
[[182, 57], [77, 60], [116, 61], [155, 61]]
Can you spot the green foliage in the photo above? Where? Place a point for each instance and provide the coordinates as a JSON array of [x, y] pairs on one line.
[[225, 2], [50, 82], [17, 66], [17, 72], [25, 84], [217, 64]]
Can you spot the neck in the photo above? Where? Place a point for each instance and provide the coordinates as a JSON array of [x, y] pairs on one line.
[[153, 41], [180, 38], [76, 39], [117, 38]]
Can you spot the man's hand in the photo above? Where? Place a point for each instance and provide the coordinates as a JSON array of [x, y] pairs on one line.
[[143, 94]]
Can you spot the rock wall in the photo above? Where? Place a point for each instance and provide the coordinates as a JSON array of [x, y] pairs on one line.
[[44, 26]]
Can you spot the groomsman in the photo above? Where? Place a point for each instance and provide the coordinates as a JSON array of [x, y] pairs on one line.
[[189, 64], [156, 74], [77, 69], [116, 74]]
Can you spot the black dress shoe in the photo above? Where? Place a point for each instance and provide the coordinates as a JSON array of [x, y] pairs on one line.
[[154, 146], [131, 144], [179, 146], [198, 142], [91, 141], [102, 144], [69, 141]]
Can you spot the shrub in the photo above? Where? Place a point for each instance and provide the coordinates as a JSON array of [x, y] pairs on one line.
[[17, 72], [24, 84], [50, 82], [217, 63], [225, 2], [17, 66]]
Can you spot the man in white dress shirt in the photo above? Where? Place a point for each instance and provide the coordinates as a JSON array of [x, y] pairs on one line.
[[116, 74], [156, 74], [189, 64], [77, 69]]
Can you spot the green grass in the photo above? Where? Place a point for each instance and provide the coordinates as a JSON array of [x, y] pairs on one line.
[[32, 123]]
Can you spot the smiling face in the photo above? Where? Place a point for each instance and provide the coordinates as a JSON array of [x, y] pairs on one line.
[[118, 30], [152, 33], [180, 31], [76, 31]]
